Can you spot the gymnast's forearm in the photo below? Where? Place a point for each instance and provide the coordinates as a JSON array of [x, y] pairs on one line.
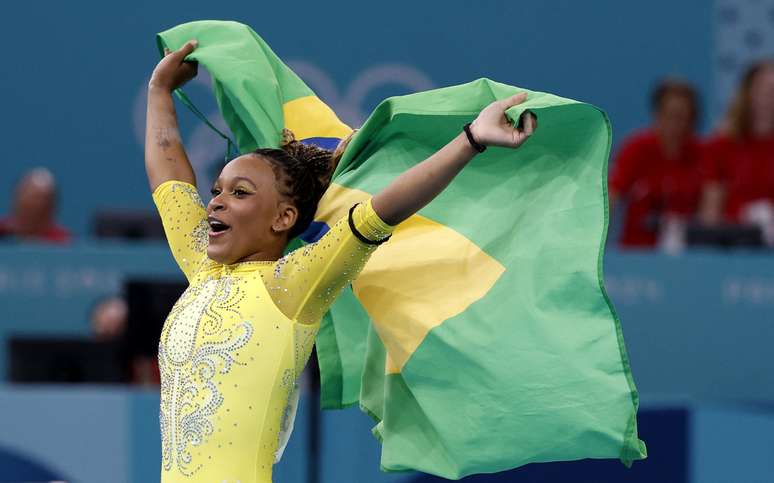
[[165, 157], [415, 188]]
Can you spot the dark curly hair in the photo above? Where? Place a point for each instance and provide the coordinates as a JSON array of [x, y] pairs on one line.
[[676, 87], [303, 173]]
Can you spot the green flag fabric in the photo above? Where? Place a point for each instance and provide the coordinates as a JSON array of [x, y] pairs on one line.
[[528, 362], [480, 337]]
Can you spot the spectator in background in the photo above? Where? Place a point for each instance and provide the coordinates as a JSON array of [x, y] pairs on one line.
[[739, 161], [656, 170], [109, 322], [109, 318], [34, 209]]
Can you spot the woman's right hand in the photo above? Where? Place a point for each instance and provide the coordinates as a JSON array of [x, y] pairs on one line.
[[492, 128], [173, 71]]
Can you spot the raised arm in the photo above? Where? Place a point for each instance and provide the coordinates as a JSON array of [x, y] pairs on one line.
[[305, 283], [415, 188], [165, 157]]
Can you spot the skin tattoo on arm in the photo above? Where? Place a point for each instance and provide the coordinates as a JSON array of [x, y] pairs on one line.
[[164, 138], [165, 157]]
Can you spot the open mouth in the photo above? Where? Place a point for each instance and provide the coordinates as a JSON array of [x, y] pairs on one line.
[[217, 227]]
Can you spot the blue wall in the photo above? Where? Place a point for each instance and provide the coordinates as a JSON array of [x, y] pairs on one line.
[[103, 434], [73, 73], [696, 325]]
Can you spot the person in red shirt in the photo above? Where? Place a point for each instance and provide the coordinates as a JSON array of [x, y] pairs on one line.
[[656, 169], [739, 160], [34, 208]]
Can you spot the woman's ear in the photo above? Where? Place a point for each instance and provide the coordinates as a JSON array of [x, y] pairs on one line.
[[287, 214]]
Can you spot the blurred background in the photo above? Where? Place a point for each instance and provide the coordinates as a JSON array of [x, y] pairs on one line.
[[86, 279]]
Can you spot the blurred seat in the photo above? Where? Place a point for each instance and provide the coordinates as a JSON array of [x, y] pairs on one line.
[[724, 236], [65, 360], [128, 225]]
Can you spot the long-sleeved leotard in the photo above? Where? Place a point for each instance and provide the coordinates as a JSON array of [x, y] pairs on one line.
[[235, 341]]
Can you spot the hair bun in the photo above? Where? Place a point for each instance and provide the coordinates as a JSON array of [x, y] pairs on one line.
[[312, 160], [288, 137]]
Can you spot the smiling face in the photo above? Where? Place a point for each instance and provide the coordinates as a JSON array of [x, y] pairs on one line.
[[249, 218]]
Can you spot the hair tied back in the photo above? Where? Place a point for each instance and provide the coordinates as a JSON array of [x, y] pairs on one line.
[[288, 138]]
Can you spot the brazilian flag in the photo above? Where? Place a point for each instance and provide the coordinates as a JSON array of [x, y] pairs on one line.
[[480, 338]]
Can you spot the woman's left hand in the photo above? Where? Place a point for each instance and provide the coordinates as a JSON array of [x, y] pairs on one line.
[[492, 128]]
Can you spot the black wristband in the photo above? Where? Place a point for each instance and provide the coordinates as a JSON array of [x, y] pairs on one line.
[[359, 235], [478, 147]]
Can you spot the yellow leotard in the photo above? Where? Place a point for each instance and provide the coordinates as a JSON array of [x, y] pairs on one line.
[[237, 339]]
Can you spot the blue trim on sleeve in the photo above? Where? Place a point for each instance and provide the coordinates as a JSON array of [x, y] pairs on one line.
[[315, 231]]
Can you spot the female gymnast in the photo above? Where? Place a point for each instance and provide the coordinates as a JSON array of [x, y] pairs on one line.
[[236, 340]]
